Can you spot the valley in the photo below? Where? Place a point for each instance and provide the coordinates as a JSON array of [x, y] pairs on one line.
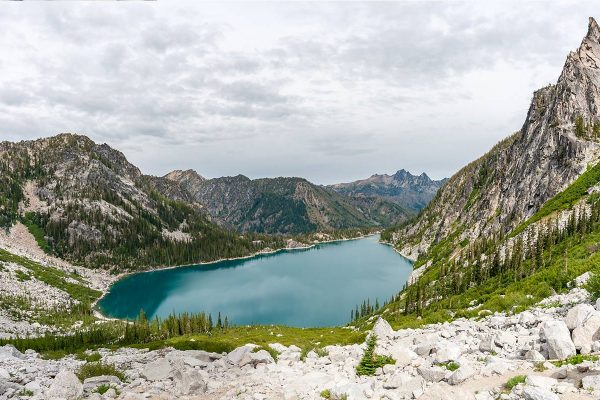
[[482, 286]]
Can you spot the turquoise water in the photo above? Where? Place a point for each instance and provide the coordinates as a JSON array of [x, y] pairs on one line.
[[305, 288]]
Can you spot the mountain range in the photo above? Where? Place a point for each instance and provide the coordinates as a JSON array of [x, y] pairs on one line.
[[412, 192], [88, 204]]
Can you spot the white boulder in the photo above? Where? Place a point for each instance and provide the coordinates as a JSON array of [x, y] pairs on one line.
[[577, 315], [558, 339], [383, 330], [65, 386], [538, 393], [587, 333]]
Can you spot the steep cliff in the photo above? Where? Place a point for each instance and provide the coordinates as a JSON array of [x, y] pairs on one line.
[[557, 142]]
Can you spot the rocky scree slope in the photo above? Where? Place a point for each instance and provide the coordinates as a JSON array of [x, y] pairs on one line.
[[493, 194], [498, 357], [86, 203], [410, 191], [278, 205]]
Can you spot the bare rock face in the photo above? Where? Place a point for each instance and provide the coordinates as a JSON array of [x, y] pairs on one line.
[[495, 193]]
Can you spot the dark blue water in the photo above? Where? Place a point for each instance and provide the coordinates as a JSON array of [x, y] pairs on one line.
[[305, 288]]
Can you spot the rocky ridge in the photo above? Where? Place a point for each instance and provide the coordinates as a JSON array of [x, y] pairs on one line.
[[277, 205], [558, 140], [412, 192]]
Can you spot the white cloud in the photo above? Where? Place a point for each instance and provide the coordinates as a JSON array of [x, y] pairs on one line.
[[329, 91]]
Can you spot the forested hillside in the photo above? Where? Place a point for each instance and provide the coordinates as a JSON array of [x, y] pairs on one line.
[[86, 203], [523, 220], [279, 205]]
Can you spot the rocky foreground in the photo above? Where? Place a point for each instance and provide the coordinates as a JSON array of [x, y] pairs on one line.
[[465, 359]]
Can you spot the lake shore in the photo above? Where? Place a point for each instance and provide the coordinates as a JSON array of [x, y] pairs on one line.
[[100, 315]]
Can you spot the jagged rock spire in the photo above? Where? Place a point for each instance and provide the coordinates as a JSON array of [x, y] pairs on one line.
[[593, 31]]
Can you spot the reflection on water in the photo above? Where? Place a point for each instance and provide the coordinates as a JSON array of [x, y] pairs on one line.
[[310, 287]]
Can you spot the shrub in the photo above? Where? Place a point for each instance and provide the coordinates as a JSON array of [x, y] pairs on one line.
[[371, 361], [450, 366], [91, 369], [574, 360], [593, 285], [326, 394], [514, 381], [93, 357]]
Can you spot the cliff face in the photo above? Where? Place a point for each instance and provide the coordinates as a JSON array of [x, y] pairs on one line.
[[557, 142]]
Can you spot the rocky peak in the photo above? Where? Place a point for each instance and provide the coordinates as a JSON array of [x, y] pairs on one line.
[[557, 141], [593, 33], [179, 175]]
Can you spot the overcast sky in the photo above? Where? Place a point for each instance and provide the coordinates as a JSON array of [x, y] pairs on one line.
[[328, 91]]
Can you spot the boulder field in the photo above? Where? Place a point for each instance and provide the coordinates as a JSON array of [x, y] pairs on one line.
[[463, 360]]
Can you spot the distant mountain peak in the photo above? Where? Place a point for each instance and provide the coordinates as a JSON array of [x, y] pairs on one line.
[[178, 175]]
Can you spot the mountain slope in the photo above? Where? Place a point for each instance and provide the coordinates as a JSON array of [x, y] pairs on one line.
[[278, 205], [409, 191], [86, 203], [493, 194]]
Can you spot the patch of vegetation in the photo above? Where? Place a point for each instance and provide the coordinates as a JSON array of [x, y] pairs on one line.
[[91, 357], [593, 285], [274, 353], [450, 366], [26, 393], [54, 277], [371, 361], [30, 221], [539, 367], [92, 369], [102, 389], [22, 276], [576, 359], [514, 381], [326, 394]]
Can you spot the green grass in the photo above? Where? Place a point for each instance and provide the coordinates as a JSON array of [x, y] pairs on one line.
[[228, 340], [92, 369], [564, 199], [326, 394], [22, 276], [514, 381], [37, 232], [593, 285], [93, 357], [576, 359]]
